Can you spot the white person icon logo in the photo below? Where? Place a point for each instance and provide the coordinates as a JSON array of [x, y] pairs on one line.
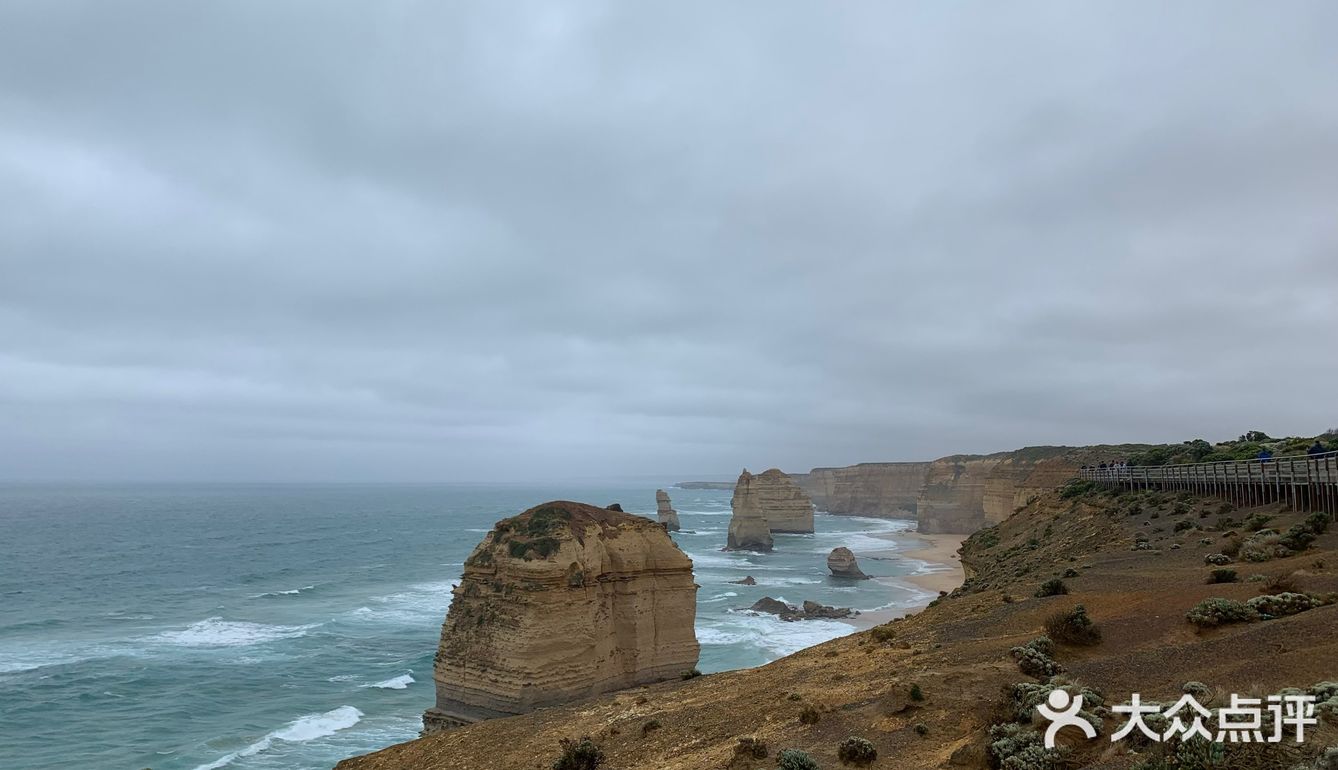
[[1062, 711]]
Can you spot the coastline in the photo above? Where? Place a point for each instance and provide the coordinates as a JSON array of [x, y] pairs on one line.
[[942, 572]]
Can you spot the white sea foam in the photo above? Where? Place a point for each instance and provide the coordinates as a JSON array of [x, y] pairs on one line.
[[217, 632], [770, 634], [397, 683], [301, 730], [289, 592]]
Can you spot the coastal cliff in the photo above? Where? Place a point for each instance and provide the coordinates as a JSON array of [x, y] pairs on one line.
[[868, 489], [939, 688], [784, 503], [563, 601]]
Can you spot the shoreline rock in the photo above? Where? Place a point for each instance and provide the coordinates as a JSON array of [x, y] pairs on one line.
[[786, 505], [809, 611], [563, 601], [842, 563]]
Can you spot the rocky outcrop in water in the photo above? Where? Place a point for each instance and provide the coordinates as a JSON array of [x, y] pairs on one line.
[[748, 580], [783, 502], [564, 601], [841, 561], [809, 611], [665, 512], [869, 489], [748, 527]]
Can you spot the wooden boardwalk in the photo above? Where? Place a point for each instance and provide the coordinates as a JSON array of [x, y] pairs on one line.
[[1305, 482]]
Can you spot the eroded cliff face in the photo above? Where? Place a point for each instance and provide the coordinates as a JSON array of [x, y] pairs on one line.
[[749, 529], [964, 493], [783, 502], [868, 489], [564, 601]]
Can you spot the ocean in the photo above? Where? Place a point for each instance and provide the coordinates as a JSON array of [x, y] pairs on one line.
[[193, 627]]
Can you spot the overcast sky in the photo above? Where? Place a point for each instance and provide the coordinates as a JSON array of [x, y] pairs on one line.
[[448, 241]]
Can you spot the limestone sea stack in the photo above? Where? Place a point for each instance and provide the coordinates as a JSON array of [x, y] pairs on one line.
[[841, 561], [785, 504], [564, 601], [748, 527], [665, 512]]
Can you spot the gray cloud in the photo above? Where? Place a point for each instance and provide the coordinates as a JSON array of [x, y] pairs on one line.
[[447, 241]]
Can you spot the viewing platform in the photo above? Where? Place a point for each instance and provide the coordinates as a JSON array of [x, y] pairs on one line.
[[1305, 482]]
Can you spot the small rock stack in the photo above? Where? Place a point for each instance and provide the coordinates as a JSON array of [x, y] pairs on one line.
[[665, 512]]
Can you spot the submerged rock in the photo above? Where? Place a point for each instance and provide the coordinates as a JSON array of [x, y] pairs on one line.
[[564, 601], [809, 611], [665, 512], [748, 527], [841, 561]]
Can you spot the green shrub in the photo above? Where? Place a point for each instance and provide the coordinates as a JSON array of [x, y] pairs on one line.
[[691, 673], [1218, 611], [922, 729], [916, 693], [1052, 587], [1297, 538], [794, 759], [809, 715], [1015, 747], [1257, 522], [1222, 576], [1262, 546], [1073, 627], [1035, 658], [1281, 605], [579, 755], [1182, 525], [650, 727], [1070, 573], [856, 751], [1318, 522]]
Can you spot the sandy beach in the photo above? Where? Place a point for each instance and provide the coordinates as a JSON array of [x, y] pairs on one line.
[[943, 572]]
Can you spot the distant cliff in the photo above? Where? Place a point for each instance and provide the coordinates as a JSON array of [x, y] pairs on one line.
[[704, 485], [867, 489], [563, 601]]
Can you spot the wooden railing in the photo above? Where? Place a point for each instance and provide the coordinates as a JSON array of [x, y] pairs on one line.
[[1305, 482]]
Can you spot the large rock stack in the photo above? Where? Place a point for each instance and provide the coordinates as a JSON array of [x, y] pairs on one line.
[[841, 561], [665, 512], [748, 527], [564, 601], [786, 505]]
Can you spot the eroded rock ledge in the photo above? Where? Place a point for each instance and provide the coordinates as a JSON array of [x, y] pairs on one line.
[[564, 601]]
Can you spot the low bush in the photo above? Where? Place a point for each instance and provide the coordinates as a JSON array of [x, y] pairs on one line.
[[1184, 524], [856, 751], [917, 694], [1218, 611], [1052, 587], [1257, 522], [1017, 747], [750, 748], [1035, 658], [883, 633], [1222, 576], [1070, 573], [579, 755], [794, 759], [1281, 584], [1318, 522], [1281, 605], [809, 715], [1232, 547], [1297, 538], [650, 727], [691, 673], [922, 729], [1073, 627], [1217, 559]]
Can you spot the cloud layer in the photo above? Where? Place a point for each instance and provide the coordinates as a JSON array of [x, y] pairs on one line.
[[449, 241]]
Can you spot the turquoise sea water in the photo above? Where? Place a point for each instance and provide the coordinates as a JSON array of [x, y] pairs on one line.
[[289, 626]]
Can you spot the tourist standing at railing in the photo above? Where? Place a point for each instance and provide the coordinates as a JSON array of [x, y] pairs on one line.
[[1265, 455], [1316, 449]]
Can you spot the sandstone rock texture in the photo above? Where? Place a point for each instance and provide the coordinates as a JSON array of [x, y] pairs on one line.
[[869, 489], [748, 527], [564, 601], [841, 561], [665, 512], [785, 504]]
